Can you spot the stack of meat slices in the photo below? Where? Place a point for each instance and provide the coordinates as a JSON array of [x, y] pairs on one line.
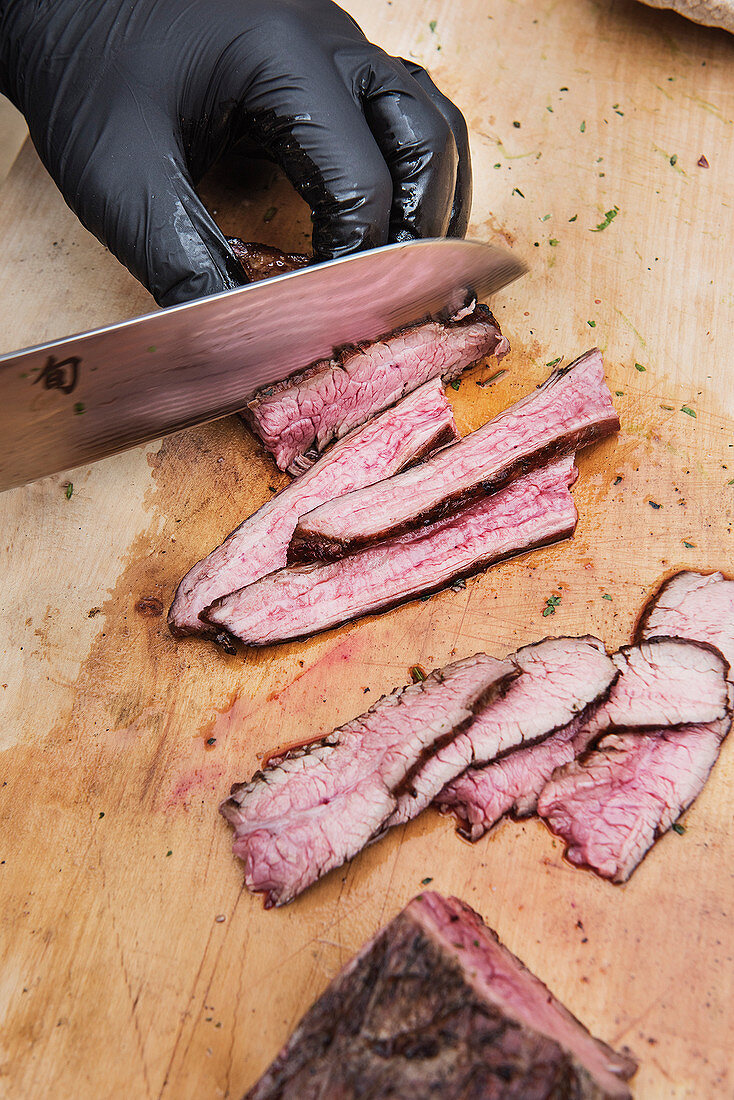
[[614, 802], [370, 526], [484, 737]]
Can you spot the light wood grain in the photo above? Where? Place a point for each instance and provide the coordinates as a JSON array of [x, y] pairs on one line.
[[117, 979]]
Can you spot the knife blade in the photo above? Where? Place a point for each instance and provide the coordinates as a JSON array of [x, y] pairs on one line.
[[97, 393]]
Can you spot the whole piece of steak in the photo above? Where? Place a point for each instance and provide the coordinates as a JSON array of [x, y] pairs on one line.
[[298, 417], [612, 805], [666, 681], [402, 434], [302, 600], [436, 1006], [560, 679], [692, 605], [262, 261], [572, 408], [318, 805]]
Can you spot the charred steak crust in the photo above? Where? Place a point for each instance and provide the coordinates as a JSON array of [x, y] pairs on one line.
[[263, 261], [404, 1019]]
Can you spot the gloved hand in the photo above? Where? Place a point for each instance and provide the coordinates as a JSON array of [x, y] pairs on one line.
[[129, 102]]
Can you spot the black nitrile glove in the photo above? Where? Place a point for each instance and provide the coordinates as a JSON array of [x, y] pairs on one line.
[[129, 102]]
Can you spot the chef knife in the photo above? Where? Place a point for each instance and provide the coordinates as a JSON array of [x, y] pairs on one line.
[[94, 394]]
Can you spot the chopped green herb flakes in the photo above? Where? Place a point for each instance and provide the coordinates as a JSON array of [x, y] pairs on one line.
[[417, 673], [688, 411], [608, 219], [69, 489]]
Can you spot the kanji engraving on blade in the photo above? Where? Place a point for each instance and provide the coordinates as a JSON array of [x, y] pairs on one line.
[[61, 375]]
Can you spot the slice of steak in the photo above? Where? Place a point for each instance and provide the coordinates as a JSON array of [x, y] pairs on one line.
[[435, 1006], [666, 681], [297, 418], [318, 805], [402, 434], [481, 797], [612, 805], [560, 679], [262, 261], [572, 408], [693, 605], [302, 600]]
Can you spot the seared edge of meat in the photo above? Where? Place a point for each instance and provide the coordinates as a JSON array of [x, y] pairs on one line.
[[502, 978]]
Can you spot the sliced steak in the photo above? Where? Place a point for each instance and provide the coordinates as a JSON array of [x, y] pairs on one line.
[[303, 600], [318, 805], [262, 261], [572, 408], [692, 605], [612, 805], [409, 430], [665, 681], [297, 418], [436, 1006], [560, 678], [481, 797]]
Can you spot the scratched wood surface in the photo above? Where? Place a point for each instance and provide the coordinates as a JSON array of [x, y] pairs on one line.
[[133, 962]]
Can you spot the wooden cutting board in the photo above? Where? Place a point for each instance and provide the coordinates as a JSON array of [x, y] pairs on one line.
[[134, 964]]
